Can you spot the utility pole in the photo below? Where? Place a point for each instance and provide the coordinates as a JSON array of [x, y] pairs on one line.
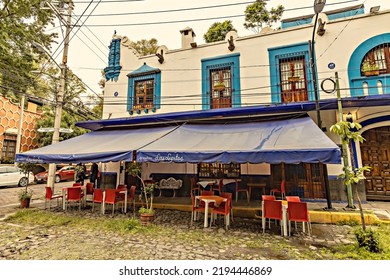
[[344, 146], [60, 94]]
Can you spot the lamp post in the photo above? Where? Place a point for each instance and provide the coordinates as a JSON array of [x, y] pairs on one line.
[[318, 7], [61, 91]]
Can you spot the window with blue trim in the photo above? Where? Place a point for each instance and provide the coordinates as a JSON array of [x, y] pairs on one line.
[[376, 61], [144, 90], [221, 82], [289, 73]]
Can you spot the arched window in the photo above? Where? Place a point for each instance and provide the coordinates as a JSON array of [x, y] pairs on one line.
[[376, 61]]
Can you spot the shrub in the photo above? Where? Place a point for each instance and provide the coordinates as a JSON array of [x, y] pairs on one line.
[[368, 239]]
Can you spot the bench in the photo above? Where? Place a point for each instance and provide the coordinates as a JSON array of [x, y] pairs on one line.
[[169, 184]]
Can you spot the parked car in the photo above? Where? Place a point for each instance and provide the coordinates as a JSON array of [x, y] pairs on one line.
[[14, 176], [65, 173]]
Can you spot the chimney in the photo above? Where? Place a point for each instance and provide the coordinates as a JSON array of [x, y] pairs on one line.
[[187, 37]]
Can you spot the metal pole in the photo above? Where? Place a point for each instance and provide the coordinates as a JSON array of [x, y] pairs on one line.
[[344, 146], [313, 73], [60, 96]]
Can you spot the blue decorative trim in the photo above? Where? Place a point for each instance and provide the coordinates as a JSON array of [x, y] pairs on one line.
[[346, 14], [288, 51], [356, 80], [145, 72], [353, 148], [295, 23], [113, 70], [231, 60]]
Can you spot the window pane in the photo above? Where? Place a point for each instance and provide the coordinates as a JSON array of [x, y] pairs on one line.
[[144, 94], [221, 88], [293, 82], [376, 61]]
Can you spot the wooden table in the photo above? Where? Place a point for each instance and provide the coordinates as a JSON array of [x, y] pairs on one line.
[[261, 186]]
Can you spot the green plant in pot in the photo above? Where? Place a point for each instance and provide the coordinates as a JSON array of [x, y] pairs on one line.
[[147, 189], [25, 194], [370, 69]]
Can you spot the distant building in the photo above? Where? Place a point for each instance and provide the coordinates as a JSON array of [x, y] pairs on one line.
[[9, 122]]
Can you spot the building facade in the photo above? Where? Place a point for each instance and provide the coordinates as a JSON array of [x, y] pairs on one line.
[[269, 69], [10, 118]]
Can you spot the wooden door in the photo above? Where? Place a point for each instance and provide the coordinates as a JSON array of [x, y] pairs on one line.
[[375, 152]]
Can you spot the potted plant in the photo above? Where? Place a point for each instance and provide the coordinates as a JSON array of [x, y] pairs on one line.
[[219, 86], [370, 69], [25, 193], [147, 189]]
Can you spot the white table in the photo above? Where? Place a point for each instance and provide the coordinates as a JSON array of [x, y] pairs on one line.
[[64, 191], [204, 184], [207, 200]]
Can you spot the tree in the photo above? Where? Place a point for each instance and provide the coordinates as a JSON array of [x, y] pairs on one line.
[[217, 31], [256, 15], [350, 131], [21, 22], [145, 47]]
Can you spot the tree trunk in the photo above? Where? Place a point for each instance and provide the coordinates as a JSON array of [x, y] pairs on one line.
[[360, 208]]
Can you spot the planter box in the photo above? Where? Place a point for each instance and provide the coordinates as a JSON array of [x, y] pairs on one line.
[[371, 73], [293, 79]]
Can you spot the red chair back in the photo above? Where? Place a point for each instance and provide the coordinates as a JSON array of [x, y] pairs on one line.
[[283, 187], [207, 193], [49, 193], [110, 196], [98, 195], [89, 188], [273, 209], [74, 193], [297, 212], [268, 197], [293, 199], [76, 185], [132, 192], [121, 187]]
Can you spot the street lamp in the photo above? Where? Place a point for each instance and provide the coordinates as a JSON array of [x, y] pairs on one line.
[[318, 7]]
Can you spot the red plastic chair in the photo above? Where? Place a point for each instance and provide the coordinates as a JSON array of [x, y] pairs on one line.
[[112, 198], [282, 190], [89, 189], [293, 199], [222, 209], [74, 196], [49, 197], [97, 198], [272, 209], [298, 212], [238, 189], [195, 208], [194, 187], [218, 186], [229, 196], [121, 188], [131, 197], [76, 185]]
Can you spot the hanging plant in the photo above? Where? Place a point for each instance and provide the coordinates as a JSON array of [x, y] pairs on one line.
[[219, 86]]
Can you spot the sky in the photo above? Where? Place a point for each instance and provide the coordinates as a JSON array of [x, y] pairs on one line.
[[146, 19]]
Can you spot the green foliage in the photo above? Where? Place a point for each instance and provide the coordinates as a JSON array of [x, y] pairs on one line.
[[21, 22], [368, 239], [347, 131], [145, 47], [217, 31], [144, 210], [354, 176], [368, 66], [256, 15], [25, 193]]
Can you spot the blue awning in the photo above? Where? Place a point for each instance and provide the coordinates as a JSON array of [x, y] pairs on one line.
[[289, 141], [96, 146]]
